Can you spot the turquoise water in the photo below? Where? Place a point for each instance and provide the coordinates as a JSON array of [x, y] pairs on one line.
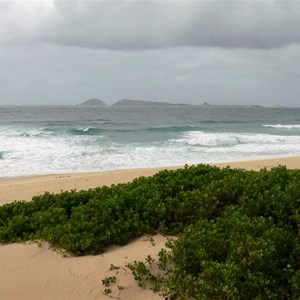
[[58, 139]]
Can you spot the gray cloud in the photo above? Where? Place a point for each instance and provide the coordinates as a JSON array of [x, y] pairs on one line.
[[62, 75], [233, 52], [130, 25]]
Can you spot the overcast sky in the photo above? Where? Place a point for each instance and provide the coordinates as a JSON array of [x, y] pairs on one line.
[[220, 52]]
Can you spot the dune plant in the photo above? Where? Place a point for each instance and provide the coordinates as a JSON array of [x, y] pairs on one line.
[[237, 231]]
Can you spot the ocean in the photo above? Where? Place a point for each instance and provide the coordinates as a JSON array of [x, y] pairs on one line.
[[60, 139]]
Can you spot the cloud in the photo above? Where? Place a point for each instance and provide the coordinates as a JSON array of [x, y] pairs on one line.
[[51, 74], [130, 25]]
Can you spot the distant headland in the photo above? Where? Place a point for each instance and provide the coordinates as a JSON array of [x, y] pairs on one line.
[[128, 102]]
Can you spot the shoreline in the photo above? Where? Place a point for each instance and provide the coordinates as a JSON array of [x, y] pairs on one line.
[[259, 160], [26, 187], [30, 271]]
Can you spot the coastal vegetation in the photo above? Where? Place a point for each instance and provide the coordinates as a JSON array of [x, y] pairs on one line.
[[237, 231]]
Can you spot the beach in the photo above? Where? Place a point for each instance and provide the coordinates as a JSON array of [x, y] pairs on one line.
[[32, 271]]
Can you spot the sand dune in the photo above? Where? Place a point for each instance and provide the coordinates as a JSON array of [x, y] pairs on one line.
[[32, 272]]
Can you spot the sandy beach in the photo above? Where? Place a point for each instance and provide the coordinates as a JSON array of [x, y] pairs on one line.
[[29, 271]]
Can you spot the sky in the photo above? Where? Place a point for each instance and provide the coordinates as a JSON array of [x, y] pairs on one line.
[[220, 52]]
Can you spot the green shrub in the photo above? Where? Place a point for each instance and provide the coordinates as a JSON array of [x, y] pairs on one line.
[[237, 231]]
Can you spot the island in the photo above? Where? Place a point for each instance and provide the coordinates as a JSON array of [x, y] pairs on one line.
[[145, 103], [127, 102], [205, 104], [93, 102]]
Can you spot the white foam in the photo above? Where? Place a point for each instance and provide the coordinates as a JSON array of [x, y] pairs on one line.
[[282, 126], [200, 138], [44, 154]]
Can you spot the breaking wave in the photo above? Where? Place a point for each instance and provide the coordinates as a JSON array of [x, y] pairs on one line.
[[282, 126], [85, 131]]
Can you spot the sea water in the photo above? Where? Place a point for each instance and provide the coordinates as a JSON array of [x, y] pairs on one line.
[[61, 139]]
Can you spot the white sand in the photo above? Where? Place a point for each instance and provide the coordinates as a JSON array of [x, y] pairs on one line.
[[32, 272]]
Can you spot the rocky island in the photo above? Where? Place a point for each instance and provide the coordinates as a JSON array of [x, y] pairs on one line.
[[126, 102], [93, 102], [145, 103]]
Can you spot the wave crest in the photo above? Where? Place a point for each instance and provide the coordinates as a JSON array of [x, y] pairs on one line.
[[297, 126], [171, 128], [85, 131]]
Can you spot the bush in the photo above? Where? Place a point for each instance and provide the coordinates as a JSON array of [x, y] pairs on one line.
[[238, 231]]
